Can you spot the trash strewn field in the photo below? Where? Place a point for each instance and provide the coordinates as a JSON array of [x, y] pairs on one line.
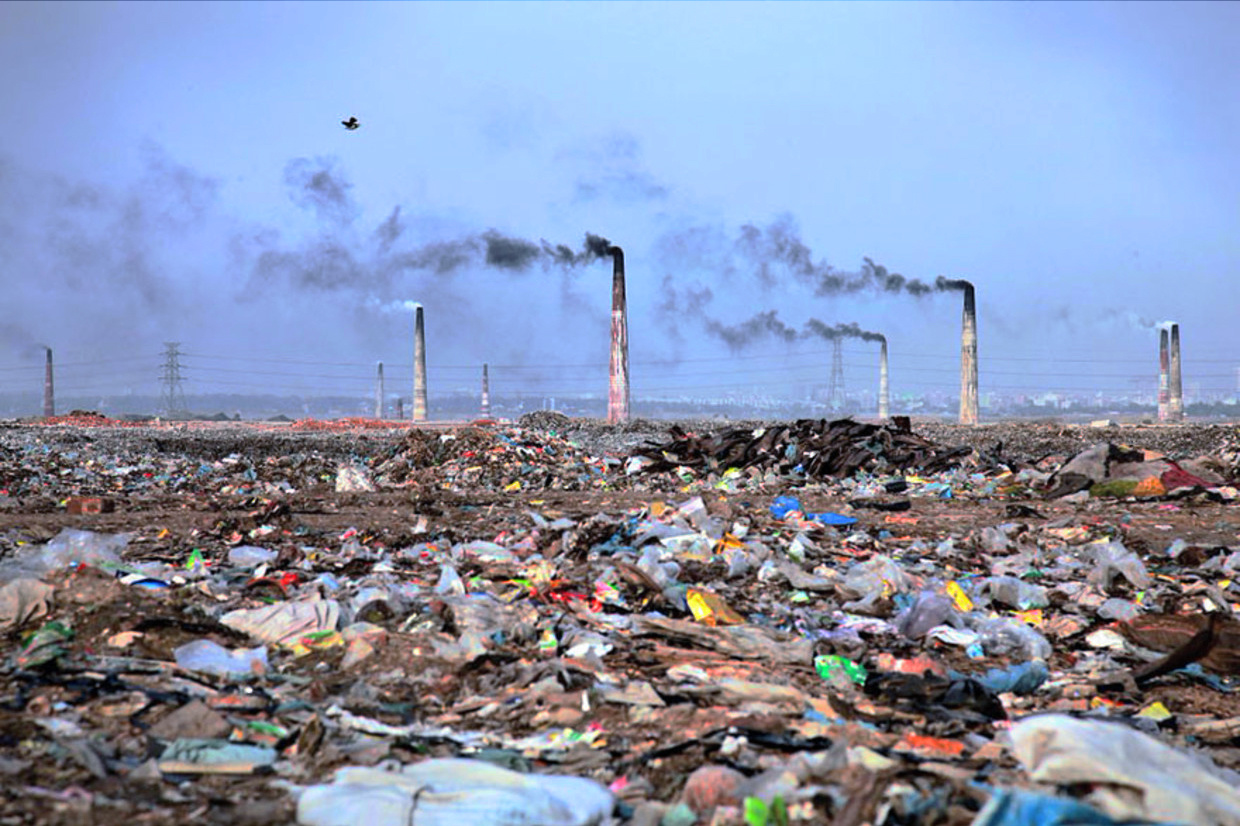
[[563, 622]]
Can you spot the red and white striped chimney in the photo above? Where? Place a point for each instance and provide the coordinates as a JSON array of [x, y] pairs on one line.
[[618, 371]]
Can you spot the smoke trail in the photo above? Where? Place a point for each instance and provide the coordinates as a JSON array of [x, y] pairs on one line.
[[776, 253], [891, 282], [762, 325], [943, 283], [675, 306], [767, 324], [509, 253], [336, 260], [814, 327], [778, 246], [1112, 317]]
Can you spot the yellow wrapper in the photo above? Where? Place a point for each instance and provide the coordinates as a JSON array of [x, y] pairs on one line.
[[1032, 617], [959, 596], [710, 609], [1155, 711]]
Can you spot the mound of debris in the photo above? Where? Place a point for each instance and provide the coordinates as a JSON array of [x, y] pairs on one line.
[[544, 420], [481, 458], [814, 448]]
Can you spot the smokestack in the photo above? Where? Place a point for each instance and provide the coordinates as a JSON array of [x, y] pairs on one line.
[[1175, 382], [884, 390], [1164, 377], [968, 358], [379, 393], [618, 373], [49, 395], [419, 366], [486, 393]]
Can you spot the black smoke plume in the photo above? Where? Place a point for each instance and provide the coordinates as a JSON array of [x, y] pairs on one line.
[[944, 283], [776, 253], [337, 259], [831, 333], [767, 325]]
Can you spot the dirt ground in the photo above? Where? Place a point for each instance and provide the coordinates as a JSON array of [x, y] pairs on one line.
[[83, 731]]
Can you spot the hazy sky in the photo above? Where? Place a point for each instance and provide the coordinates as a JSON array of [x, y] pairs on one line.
[[179, 171]]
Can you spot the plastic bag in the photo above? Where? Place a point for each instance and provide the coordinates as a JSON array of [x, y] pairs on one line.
[[1004, 638], [929, 609], [1016, 593], [1112, 559], [212, 658], [453, 792]]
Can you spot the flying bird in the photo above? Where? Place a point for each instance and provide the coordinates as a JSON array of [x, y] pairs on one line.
[[350, 124]]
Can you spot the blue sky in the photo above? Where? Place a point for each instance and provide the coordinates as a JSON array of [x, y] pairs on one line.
[[1076, 161]]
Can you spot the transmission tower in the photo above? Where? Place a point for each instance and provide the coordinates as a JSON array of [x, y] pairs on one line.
[[172, 398], [835, 390]]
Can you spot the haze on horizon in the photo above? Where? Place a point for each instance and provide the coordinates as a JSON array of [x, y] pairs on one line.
[[179, 172]]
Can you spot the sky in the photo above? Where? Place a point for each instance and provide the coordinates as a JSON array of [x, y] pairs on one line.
[[179, 172]]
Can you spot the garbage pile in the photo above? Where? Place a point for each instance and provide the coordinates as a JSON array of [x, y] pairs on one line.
[[812, 449], [512, 458], [340, 627]]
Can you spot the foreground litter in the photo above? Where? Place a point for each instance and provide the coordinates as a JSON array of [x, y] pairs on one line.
[[562, 622]]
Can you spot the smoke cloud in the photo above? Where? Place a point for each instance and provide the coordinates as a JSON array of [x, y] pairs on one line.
[[318, 185], [767, 325], [337, 259], [676, 306], [840, 331], [958, 284], [775, 254]]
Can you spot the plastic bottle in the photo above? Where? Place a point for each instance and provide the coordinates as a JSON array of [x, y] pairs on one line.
[[250, 556]]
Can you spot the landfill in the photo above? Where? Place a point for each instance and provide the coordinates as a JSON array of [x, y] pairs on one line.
[[561, 621]]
